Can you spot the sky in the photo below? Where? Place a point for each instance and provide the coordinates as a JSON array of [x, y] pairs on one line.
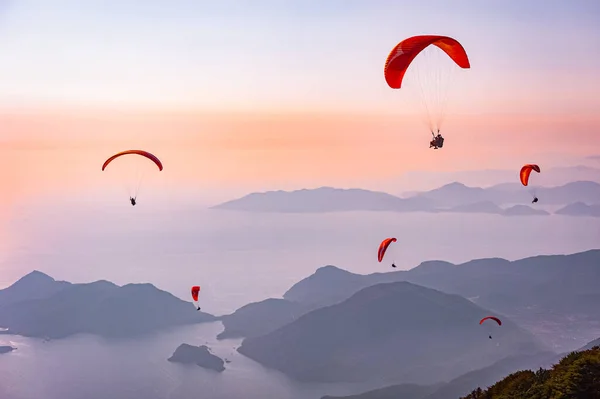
[[288, 94]]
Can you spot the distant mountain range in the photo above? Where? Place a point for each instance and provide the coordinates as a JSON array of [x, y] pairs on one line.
[[556, 176], [580, 209], [39, 306], [557, 290], [453, 197], [389, 332]]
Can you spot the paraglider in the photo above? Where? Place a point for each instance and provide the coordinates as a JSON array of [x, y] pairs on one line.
[[383, 248], [151, 157], [195, 291], [524, 175], [497, 320], [434, 99]]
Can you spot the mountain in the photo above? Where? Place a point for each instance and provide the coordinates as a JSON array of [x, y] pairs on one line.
[[552, 295], [198, 355], [6, 349], [396, 332], [461, 385], [490, 207], [453, 197], [35, 285], [455, 194], [477, 207], [524, 210], [556, 176], [61, 309], [577, 375], [259, 318], [579, 209], [324, 199]]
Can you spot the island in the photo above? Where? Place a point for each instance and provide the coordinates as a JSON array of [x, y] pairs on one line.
[[199, 355], [6, 349]]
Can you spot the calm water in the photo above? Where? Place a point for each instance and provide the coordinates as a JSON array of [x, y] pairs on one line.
[[90, 367]]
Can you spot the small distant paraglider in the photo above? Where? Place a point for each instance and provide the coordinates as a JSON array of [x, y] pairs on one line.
[[383, 247], [524, 177], [497, 320], [195, 291]]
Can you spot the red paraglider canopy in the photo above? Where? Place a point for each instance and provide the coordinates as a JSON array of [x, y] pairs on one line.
[[383, 247], [195, 291], [497, 320], [405, 52], [146, 154], [526, 171]]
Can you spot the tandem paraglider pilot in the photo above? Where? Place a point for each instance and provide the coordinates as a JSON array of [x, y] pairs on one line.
[[437, 142]]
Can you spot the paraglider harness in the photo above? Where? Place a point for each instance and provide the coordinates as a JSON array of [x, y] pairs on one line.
[[437, 142], [132, 199]]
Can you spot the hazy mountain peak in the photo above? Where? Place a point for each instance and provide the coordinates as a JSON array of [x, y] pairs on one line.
[[35, 276], [330, 269]]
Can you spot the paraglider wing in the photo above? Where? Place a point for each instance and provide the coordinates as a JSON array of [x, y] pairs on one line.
[[405, 52], [497, 320], [195, 291], [526, 171], [146, 154], [383, 247]]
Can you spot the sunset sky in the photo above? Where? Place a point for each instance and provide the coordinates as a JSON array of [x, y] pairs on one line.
[[284, 94]]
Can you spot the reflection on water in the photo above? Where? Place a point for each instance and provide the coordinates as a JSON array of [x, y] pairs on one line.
[[90, 367]]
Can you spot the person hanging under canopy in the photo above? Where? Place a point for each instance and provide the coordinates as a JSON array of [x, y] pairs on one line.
[[437, 142]]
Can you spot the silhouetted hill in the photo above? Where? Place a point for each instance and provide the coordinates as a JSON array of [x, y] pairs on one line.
[[6, 349], [556, 176], [579, 209], [552, 295], [388, 332], [100, 308], [453, 197], [577, 375], [477, 207], [198, 355], [538, 292], [35, 285], [324, 199], [524, 210], [260, 318], [461, 385], [454, 194]]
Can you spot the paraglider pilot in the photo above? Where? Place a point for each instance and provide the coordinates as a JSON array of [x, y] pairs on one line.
[[535, 199], [132, 199], [437, 142], [198, 308], [393, 265]]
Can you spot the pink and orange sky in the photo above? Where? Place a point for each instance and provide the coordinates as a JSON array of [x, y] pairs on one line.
[[285, 94]]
